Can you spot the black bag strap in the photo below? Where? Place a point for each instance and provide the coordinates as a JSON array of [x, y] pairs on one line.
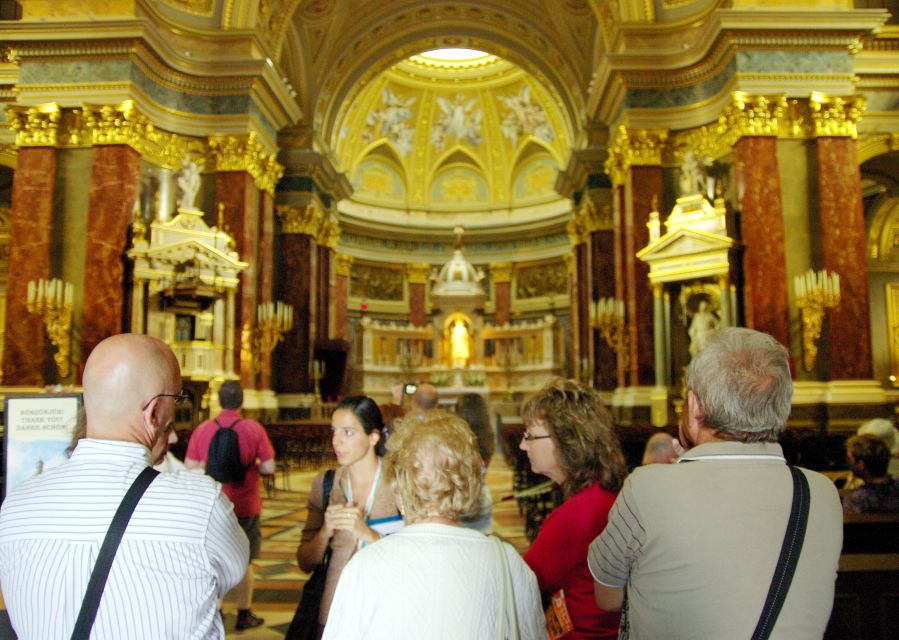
[[789, 556], [327, 484], [108, 549], [230, 426]]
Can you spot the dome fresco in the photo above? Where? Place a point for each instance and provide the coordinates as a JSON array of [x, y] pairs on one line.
[[457, 131]]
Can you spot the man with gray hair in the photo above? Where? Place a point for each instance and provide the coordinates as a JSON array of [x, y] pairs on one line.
[[695, 544]]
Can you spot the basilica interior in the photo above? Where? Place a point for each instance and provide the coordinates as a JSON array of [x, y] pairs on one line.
[[325, 197]]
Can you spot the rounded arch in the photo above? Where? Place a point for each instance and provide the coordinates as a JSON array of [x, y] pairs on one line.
[[381, 46]]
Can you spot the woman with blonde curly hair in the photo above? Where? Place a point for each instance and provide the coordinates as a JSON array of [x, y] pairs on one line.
[[435, 579], [568, 438]]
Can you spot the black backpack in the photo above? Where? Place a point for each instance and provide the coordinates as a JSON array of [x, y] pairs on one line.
[[223, 461]]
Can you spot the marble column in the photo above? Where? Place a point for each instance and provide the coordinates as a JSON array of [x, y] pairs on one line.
[[297, 269], [618, 235], [843, 249], [238, 192], [417, 277], [602, 276], [765, 294], [342, 266], [265, 271], [323, 299], [642, 185], [501, 275], [582, 281], [114, 188], [31, 233]]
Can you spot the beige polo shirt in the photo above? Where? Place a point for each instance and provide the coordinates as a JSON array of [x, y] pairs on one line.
[[697, 542]]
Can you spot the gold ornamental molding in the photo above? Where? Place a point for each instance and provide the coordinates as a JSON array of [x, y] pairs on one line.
[[36, 126], [232, 153], [343, 264], [752, 115], [643, 147], [596, 217], [501, 272], [418, 273], [835, 116], [330, 234]]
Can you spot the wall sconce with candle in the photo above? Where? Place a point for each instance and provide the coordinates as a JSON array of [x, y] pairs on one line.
[[815, 292], [52, 299], [273, 320], [607, 315]]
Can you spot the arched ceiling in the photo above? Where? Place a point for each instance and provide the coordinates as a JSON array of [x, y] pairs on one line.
[[470, 140]]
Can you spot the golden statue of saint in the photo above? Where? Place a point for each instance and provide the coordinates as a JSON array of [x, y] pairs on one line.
[[459, 345]]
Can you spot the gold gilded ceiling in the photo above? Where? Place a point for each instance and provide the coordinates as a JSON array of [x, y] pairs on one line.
[[468, 136]]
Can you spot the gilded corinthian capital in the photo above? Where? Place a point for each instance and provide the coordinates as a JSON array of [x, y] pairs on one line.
[[117, 124], [35, 126], [418, 273], [635, 147], [232, 153], [311, 221], [343, 264], [751, 115], [835, 116]]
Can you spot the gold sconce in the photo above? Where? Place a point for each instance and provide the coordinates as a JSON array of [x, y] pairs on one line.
[[52, 299], [607, 315], [815, 292], [273, 320], [317, 372]]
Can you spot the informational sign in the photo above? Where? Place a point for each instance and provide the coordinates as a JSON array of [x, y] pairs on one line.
[[38, 430]]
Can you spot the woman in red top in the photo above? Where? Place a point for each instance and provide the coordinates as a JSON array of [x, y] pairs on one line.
[[568, 438]]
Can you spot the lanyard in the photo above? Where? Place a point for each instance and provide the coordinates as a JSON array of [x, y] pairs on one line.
[[733, 456], [370, 502]]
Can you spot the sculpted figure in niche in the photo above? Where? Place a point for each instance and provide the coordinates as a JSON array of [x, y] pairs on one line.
[[188, 183], [693, 176], [704, 322], [459, 346]]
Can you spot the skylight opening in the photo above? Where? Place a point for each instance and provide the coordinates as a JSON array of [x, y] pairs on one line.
[[454, 55]]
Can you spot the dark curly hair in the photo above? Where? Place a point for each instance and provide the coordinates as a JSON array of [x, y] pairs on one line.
[[586, 447]]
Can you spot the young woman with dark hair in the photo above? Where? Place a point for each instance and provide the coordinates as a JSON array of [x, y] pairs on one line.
[[361, 507]]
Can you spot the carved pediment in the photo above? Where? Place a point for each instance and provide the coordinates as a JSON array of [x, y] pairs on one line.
[[685, 254]]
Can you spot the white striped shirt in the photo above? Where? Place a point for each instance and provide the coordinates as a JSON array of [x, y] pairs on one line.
[[181, 552]]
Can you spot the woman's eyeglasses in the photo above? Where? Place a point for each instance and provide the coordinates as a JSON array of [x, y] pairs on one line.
[[527, 437]]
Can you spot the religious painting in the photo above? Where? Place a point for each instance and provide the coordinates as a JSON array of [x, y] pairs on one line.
[[393, 121], [376, 283], [537, 281], [459, 120], [525, 116], [38, 431]]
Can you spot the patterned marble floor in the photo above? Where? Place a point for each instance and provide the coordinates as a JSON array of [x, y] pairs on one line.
[[278, 579]]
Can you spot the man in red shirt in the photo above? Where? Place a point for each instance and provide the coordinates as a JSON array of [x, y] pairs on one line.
[[254, 446]]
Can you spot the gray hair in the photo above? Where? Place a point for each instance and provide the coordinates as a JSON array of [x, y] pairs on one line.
[[742, 381]]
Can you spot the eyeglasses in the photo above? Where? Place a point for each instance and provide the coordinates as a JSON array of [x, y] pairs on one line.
[[179, 398], [527, 437]]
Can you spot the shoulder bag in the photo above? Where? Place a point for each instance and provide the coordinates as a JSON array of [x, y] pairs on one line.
[[100, 573], [304, 625], [507, 614], [789, 556]]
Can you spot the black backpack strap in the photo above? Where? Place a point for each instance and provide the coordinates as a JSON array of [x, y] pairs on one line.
[[97, 582], [327, 484], [789, 556]]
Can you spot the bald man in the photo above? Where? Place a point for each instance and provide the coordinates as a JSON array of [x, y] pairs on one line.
[[659, 449], [183, 548], [425, 399]]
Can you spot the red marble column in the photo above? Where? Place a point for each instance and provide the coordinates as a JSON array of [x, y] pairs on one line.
[[237, 191], [115, 183], [618, 234], [602, 276], [341, 304], [765, 294], [266, 270], [502, 302], [323, 299], [582, 279], [31, 229], [643, 184], [417, 315], [843, 249], [297, 271]]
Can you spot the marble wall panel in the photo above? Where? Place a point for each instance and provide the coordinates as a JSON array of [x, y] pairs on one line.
[[237, 191], [502, 304], [417, 313], [297, 260], [602, 274], [266, 270], [114, 187], [31, 228], [765, 294], [644, 184], [582, 255], [323, 299], [341, 307], [843, 249], [618, 233]]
